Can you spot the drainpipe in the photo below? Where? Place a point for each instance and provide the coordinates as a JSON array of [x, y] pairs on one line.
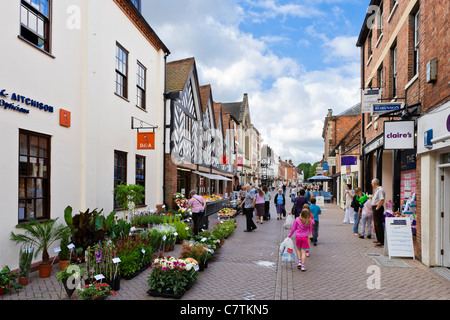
[[165, 129]]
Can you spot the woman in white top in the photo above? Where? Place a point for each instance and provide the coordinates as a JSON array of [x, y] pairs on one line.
[[349, 212], [293, 192]]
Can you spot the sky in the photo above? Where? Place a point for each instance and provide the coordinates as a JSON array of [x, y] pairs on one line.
[[294, 59]]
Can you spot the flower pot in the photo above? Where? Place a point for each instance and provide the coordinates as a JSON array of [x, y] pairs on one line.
[[63, 264], [114, 283], [45, 270], [166, 248], [23, 281], [171, 247], [2, 292]]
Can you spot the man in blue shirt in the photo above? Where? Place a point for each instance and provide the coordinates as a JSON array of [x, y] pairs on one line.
[[316, 211]]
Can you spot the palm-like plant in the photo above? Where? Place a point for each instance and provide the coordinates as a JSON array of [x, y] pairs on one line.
[[41, 236]]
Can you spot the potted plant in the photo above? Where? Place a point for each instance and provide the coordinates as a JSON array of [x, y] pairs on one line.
[[171, 277], [25, 258], [41, 236], [128, 196], [64, 254], [95, 291], [8, 281], [70, 278]]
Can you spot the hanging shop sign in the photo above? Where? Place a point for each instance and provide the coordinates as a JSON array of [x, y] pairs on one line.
[[146, 140], [399, 135], [16, 102], [240, 161], [369, 97], [224, 160]]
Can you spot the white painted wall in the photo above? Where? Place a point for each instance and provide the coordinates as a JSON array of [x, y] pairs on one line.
[[79, 78]]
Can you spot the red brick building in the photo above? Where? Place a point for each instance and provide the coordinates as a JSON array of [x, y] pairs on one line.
[[405, 54]]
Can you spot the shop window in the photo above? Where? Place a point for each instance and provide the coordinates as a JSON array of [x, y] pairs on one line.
[[120, 172], [35, 23], [34, 176], [121, 71], [141, 75], [140, 174]]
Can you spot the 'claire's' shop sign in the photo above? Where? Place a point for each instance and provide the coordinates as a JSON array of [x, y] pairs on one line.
[[16, 102]]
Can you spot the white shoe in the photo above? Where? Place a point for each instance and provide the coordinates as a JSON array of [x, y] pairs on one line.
[[303, 268]]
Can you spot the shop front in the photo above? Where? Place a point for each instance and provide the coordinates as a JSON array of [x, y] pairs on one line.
[[434, 163]]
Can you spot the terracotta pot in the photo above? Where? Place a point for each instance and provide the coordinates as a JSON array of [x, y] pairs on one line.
[[23, 281], [63, 264], [45, 270], [2, 292]]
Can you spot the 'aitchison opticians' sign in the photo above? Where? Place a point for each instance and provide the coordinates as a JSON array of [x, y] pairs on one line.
[[17, 102]]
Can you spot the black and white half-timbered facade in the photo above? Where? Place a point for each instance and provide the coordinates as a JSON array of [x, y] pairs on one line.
[[194, 136]]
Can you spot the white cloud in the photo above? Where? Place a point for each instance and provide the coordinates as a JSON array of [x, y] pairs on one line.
[[288, 102]]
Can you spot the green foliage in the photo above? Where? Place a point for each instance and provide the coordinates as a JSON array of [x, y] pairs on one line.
[[8, 280], [25, 258], [64, 254], [130, 195], [40, 236], [89, 227]]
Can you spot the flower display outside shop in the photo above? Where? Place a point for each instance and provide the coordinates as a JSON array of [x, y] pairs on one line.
[[95, 291], [171, 276]]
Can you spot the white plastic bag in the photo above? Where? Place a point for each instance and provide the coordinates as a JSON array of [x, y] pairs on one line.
[[289, 221], [287, 250]]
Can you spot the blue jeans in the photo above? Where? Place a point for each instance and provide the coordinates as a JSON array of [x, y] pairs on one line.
[[356, 223]]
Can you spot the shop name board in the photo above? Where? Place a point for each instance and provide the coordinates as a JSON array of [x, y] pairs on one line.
[[387, 107], [21, 99], [399, 135]]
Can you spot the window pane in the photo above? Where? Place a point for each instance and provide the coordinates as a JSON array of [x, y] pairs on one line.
[[40, 27], [22, 208], [23, 141], [35, 4], [30, 188], [24, 16], [39, 213], [42, 147], [30, 209], [22, 188], [34, 146], [44, 7], [39, 191], [32, 22], [23, 166], [34, 166]]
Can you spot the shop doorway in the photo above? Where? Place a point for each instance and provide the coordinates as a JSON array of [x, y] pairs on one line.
[[445, 215]]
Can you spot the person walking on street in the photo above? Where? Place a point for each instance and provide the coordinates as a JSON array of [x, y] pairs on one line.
[[248, 205], [293, 193], [298, 203], [198, 204], [378, 199], [315, 211], [349, 215], [284, 189], [308, 194], [366, 218], [268, 197], [260, 205], [357, 210], [280, 203], [302, 229]]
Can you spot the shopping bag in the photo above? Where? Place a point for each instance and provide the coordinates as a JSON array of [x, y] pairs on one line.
[[287, 250], [289, 221]]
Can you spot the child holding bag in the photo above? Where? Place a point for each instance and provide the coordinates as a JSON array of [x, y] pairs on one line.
[[302, 228]]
